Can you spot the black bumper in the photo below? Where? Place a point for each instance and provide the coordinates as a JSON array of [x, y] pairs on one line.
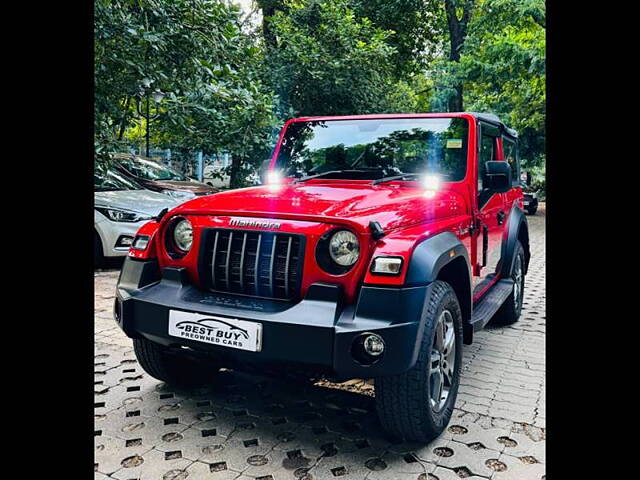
[[531, 203], [315, 334]]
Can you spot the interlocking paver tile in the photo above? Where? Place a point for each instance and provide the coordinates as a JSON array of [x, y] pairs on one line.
[[443, 473], [525, 446], [517, 469], [152, 465], [107, 453], [204, 470], [247, 427], [469, 457]]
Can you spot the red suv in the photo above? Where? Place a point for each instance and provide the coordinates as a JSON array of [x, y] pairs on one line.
[[377, 247]]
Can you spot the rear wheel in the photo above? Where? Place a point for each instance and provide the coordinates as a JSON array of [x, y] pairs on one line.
[[171, 368], [510, 310], [417, 405], [532, 211]]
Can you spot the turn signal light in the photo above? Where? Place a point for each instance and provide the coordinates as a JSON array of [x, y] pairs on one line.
[[140, 242], [386, 265]]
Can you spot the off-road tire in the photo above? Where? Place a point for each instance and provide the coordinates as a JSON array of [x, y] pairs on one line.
[[532, 211], [171, 368], [509, 312], [98, 255], [403, 401]]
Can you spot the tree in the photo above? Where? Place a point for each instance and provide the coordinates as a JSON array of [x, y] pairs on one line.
[[193, 52], [326, 60], [417, 27], [458, 16], [504, 69]]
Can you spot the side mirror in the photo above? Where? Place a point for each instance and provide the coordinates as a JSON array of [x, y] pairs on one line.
[[497, 177]]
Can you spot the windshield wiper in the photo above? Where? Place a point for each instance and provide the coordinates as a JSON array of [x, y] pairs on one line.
[[323, 174], [395, 177]]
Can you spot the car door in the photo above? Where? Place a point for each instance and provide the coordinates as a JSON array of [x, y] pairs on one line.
[[490, 214], [510, 154]]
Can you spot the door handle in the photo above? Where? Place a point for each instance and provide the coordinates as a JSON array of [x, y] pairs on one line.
[[501, 216]]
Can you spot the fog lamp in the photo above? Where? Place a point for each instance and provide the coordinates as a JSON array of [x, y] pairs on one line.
[[373, 344], [386, 265], [124, 241]]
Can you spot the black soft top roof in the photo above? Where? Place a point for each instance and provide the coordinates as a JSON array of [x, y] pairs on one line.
[[493, 119]]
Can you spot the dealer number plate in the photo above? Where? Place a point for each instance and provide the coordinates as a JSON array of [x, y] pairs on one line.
[[225, 332]]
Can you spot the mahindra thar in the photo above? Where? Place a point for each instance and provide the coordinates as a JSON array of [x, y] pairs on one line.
[[376, 247]]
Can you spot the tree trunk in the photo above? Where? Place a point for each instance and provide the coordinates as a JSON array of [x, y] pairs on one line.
[[269, 9], [457, 37], [234, 180], [123, 122]]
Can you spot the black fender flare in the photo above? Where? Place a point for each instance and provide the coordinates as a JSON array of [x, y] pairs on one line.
[[428, 262], [431, 255], [517, 228]]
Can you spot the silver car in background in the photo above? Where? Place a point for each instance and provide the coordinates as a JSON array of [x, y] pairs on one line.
[[121, 207]]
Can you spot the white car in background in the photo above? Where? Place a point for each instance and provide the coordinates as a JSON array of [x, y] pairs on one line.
[[121, 207]]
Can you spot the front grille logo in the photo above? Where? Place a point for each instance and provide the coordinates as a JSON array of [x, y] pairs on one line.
[[266, 224]]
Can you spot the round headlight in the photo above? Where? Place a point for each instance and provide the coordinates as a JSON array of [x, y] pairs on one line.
[[344, 248], [183, 235]]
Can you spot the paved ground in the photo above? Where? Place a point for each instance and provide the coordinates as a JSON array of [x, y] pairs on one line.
[[262, 428]]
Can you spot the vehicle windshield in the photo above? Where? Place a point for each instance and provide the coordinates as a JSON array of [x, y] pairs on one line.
[[108, 180], [149, 170], [376, 148]]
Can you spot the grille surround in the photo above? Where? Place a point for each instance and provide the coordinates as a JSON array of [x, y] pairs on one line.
[[274, 274]]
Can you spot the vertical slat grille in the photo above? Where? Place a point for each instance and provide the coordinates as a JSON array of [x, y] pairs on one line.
[[261, 264]]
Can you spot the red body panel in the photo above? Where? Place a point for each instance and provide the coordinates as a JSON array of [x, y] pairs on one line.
[[316, 206]]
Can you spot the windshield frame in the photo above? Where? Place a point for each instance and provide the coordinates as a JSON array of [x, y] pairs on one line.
[[471, 146]]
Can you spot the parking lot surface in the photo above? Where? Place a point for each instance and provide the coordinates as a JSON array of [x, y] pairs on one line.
[[251, 427]]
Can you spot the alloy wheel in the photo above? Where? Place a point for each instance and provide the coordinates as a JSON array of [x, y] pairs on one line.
[[517, 283], [443, 358]]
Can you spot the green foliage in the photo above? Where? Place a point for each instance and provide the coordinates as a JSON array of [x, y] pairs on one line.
[[417, 25], [194, 52], [502, 69], [329, 61], [226, 88]]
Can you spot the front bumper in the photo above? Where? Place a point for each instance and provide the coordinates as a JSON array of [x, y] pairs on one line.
[[313, 335]]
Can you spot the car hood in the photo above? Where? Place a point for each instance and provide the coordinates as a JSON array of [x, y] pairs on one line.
[[393, 206], [195, 187], [142, 201]]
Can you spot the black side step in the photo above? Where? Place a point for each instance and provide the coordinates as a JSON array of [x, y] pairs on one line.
[[489, 305]]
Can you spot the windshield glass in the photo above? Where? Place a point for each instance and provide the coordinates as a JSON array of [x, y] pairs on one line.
[[375, 148], [149, 170], [107, 180]]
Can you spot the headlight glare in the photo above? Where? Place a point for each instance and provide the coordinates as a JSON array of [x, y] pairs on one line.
[[344, 248]]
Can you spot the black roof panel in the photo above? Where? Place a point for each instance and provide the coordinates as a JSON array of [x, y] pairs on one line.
[[492, 118]]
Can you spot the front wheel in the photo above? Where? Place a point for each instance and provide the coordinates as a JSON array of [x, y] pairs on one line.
[[171, 368], [417, 405]]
